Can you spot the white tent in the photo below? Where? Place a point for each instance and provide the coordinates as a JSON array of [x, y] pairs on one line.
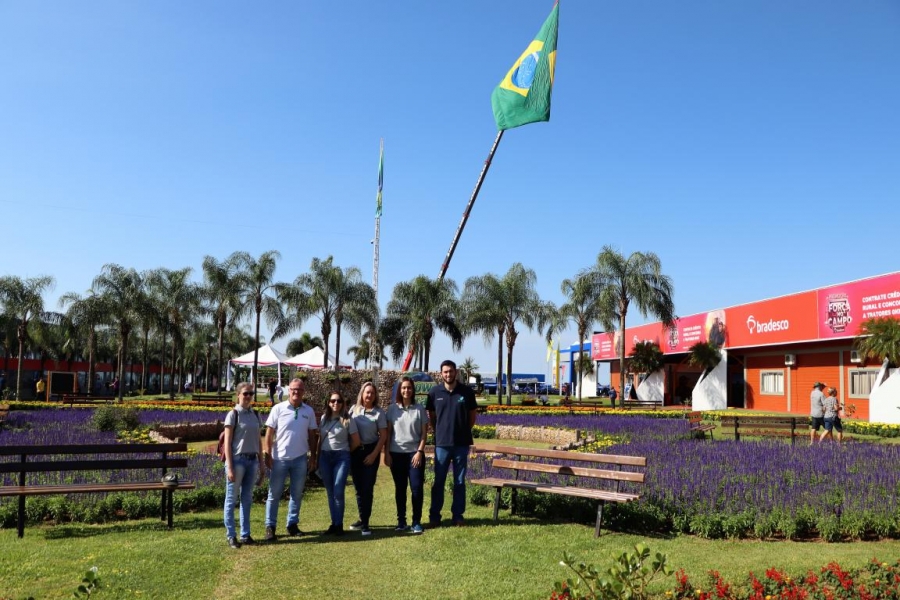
[[267, 357], [313, 359]]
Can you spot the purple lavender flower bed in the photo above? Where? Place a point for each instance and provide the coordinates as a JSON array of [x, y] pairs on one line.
[[757, 489], [634, 427], [66, 426]]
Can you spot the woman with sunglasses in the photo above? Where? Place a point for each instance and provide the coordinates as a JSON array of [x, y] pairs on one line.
[[371, 423], [338, 438], [405, 453], [243, 459]]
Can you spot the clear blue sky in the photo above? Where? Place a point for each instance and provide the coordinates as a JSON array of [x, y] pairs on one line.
[[754, 146]]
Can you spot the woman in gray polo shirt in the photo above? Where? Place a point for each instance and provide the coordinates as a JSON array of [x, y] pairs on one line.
[[405, 454], [243, 457], [372, 427], [337, 439]]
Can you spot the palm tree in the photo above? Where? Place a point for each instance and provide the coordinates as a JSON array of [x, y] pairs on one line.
[[86, 313], [417, 308], [468, 367], [257, 277], [637, 279], [484, 313], [519, 302], [705, 355], [125, 301], [879, 338], [360, 352], [23, 301], [582, 309], [305, 342], [222, 292], [335, 296], [179, 303]]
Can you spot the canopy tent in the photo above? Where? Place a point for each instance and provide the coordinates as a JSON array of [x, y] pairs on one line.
[[313, 359], [267, 357]]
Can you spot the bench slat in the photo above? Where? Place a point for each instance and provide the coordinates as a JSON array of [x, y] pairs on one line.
[[94, 449], [604, 495], [42, 490], [613, 459], [567, 470], [47, 466]]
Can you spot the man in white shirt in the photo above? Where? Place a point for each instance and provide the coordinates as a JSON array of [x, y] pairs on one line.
[[292, 433]]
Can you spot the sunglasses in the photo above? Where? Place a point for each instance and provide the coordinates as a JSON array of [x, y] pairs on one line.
[[338, 400], [246, 393]]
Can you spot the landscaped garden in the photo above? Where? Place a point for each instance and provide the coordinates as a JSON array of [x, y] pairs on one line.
[[723, 505]]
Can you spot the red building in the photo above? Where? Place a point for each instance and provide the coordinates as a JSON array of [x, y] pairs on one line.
[[774, 350]]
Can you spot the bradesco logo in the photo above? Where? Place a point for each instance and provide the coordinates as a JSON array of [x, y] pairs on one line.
[[767, 326]]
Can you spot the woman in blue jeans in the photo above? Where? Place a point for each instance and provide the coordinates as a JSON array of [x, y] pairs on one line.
[[337, 439], [371, 424], [243, 459], [405, 453]]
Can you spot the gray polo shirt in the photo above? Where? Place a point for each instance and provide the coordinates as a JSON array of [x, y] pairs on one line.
[[816, 404], [408, 426], [245, 437], [335, 434], [368, 423]]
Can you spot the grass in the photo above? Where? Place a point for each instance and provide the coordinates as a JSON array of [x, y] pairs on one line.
[[518, 558]]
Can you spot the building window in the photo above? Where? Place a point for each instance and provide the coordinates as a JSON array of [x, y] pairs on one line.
[[861, 382], [771, 383]]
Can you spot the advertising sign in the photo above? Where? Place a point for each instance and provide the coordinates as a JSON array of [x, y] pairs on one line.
[[776, 321], [843, 307]]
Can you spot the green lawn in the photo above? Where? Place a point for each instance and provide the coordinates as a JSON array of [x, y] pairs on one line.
[[519, 558]]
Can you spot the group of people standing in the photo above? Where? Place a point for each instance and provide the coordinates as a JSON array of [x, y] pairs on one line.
[[825, 413], [349, 441]]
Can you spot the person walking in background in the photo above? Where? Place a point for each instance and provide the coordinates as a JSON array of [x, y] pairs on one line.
[[292, 434], [39, 389], [272, 386], [452, 411], [243, 460], [405, 453], [816, 410], [371, 423], [832, 419], [338, 438]]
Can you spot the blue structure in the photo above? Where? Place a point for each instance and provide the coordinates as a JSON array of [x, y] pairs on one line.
[[523, 379]]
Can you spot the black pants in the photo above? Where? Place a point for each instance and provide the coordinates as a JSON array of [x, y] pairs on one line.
[[403, 472], [364, 480]]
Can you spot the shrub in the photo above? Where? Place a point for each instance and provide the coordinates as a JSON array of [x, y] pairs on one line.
[[627, 577], [114, 418]]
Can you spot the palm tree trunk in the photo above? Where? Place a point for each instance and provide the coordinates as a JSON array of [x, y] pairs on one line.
[[256, 350], [19, 368], [221, 348], [510, 342], [580, 364], [162, 363], [172, 384], [337, 344], [621, 359], [499, 366], [123, 348], [92, 368], [144, 360]]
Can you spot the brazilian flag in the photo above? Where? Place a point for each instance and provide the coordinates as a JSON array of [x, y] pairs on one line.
[[524, 94]]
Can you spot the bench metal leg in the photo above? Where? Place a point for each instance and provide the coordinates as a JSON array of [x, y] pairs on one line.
[[497, 504], [599, 518], [20, 519], [170, 494]]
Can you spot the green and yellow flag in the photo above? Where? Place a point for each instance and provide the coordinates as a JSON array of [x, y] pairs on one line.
[[524, 94]]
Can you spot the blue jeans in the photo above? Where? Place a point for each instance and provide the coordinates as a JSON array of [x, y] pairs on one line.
[[403, 472], [364, 477], [443, 456], [334, 466], [296, 469], [244, 479]]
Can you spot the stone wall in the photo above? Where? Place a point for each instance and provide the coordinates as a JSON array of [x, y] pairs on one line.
[[546, 435]]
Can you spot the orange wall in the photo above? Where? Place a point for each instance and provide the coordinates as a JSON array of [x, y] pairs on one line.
[[754, 366]]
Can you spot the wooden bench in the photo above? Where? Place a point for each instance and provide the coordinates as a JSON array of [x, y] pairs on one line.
[[66, 458], [72, 399], [762, 425], [647, 404], [210, 397], [523, 462], [697, 426]]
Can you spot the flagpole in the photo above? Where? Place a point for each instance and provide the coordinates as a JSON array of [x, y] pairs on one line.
[[462, 224], [468, 211], [373, 354]]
